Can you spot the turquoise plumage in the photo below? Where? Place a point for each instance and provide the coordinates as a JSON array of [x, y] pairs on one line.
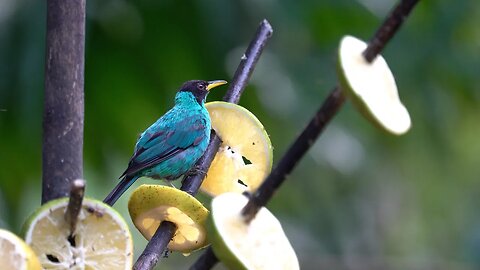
[[172, 145]]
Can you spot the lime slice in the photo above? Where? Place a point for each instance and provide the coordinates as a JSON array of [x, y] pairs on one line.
[[16, 254], [371, 87], [262, 244], [245, 156], [101, 240], [149, 205]]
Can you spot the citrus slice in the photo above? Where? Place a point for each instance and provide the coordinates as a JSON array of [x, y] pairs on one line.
[[16, 254], [245, 156], [101, 239], [371, 87], [149, 205], [262, 244]]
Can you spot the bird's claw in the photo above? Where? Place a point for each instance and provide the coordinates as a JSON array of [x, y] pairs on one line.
[[196, 170]]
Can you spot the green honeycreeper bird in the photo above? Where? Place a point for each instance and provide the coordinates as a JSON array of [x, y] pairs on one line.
[[172, 145]]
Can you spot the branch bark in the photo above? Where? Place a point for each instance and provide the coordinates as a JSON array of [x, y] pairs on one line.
[[157, 245], [63, 105]]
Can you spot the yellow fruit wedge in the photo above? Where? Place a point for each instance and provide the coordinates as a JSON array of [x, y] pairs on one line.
[[101, 240], [16, 254], [371, 87], [245, 157], [262, 244], [149, 205]]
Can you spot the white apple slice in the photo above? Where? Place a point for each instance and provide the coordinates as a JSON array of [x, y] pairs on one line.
[[371, 87]]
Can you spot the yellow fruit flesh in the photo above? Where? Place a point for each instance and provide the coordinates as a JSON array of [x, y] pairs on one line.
[[149, 205], [101, 240], [245, 156], [15, 254]]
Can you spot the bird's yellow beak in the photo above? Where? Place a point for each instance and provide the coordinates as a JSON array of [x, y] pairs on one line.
[[212, 84]]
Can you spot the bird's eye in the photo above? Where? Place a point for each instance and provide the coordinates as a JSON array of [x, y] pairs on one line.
[[201, 86]]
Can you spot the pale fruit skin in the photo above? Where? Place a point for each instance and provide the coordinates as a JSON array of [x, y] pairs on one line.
[[395, 118], [148, 198], [32, 262], [98, 208], [243, 136], [262, 244]]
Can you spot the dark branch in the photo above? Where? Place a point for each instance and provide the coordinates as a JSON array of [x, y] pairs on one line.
[[294, 154], [159, 242], [323, 116], [75, 204], [63, 105], [388, 28], [191, 184], [206, 261]]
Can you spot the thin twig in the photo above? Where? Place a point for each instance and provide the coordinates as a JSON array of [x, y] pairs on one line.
[[388, 29], [159, 241], [63, 115], [77, 192], [323, 116]]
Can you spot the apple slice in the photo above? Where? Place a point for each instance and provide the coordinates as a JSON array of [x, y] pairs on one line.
[[262, 244], [149, 205], [371, 87]]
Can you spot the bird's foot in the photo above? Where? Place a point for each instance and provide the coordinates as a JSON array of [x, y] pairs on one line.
[[196, 170]]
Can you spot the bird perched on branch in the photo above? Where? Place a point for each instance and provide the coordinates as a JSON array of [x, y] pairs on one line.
[[172, 145]]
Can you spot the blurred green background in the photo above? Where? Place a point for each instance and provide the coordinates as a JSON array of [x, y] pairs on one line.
[[360, 199]]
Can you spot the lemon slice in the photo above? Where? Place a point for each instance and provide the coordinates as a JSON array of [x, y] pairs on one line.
[[16, 254], [371, 87], [149, 205], [101, 240], [245, 156], [262, 244]]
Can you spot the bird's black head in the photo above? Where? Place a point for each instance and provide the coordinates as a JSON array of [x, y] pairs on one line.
[[199, 88]]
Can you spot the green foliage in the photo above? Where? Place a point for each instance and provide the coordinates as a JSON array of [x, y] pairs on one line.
[[360, 197]]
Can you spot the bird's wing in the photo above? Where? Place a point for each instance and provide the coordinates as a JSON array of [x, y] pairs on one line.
[[164, 143]]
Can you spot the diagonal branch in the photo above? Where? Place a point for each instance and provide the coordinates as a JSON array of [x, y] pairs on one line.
[[158, 244], [314, 128]]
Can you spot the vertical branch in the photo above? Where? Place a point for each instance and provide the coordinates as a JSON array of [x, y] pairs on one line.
[[63, 106]]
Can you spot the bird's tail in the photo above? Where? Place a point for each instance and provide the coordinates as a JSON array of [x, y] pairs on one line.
[[121, 187]]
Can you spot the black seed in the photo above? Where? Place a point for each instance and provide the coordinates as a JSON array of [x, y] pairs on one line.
[[241, 183], [246, 160], [253, 143], [52, 258]]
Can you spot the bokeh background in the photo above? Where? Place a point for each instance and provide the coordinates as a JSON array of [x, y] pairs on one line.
[[360, 199]]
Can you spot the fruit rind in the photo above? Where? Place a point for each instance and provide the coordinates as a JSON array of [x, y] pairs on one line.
[[371, 87]]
